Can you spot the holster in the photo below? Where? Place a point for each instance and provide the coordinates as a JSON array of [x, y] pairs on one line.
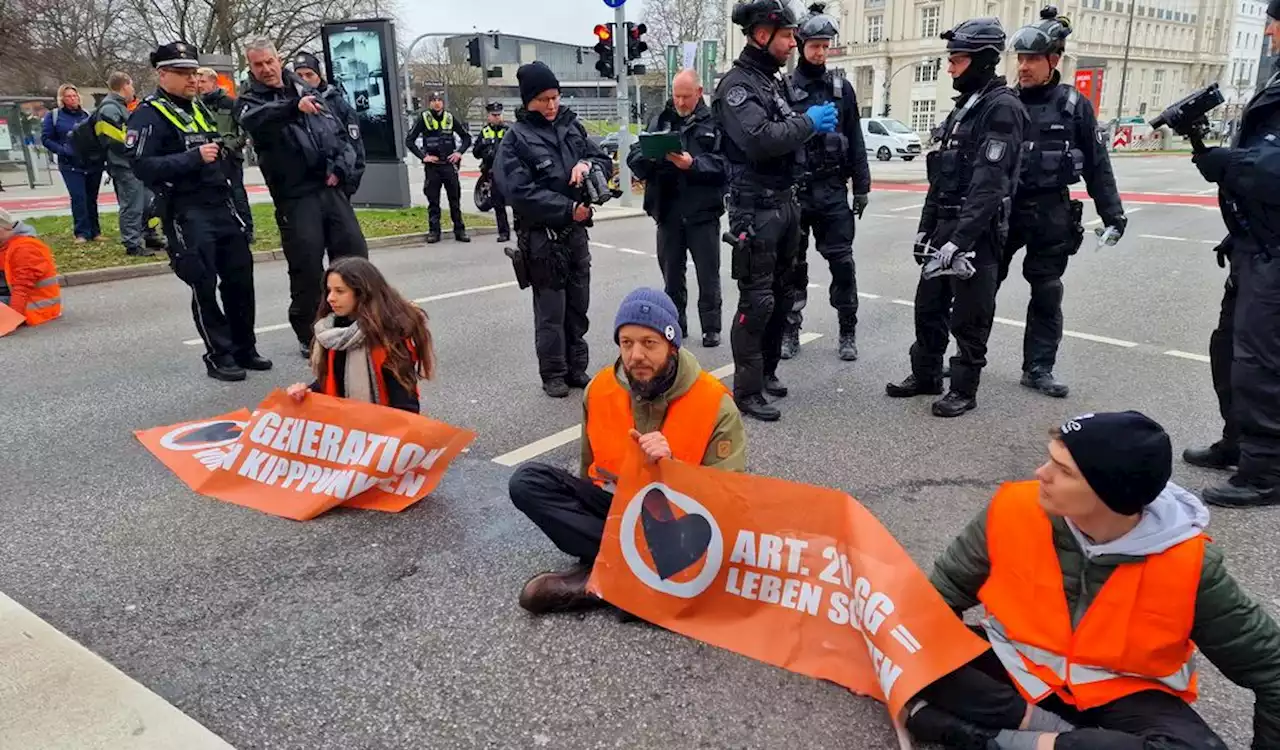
[[547, 257], [520, 264], [1077, 226]]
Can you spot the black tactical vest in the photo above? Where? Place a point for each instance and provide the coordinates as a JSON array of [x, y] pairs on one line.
[[825, 153], [950, 168], [1051, 160], [746, 171]]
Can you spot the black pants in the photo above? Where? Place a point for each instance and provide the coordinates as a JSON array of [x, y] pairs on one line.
[[1048, 225], [209, 253], [763, 271], [965, 308], [443, 175], [825, 211], [499, 208], [239, 197], [678, 240], [309, 226], [982, 693], [1244, 355], [569, 510], [561, 296]]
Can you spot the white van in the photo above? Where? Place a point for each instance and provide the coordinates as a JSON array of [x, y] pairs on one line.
[[887, 138]]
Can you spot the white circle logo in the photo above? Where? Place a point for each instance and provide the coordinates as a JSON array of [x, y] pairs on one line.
[[199, 436], [674, 544], [671, 333]]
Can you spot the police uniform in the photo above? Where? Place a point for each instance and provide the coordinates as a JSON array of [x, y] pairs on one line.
[[764, 145], [334, 100], [1244, 350], [1062, 144], [437, 131], [486, 151], [832, 160], [964, 223], [206, 239]]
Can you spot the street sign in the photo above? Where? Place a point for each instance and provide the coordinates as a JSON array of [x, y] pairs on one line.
[[614, 3], [1124, 135]]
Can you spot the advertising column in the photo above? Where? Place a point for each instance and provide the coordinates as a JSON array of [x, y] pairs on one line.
[[360, 57]]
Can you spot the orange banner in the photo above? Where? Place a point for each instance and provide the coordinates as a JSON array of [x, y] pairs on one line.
[[10, 319], [299, 460], [797, 576]]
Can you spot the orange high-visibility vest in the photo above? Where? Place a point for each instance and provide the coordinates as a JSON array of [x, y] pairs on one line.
[[378, 356], [688, 425], [1135, 635], [44, 303]]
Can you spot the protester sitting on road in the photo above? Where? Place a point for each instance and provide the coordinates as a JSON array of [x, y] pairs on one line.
[[28, 274], [1099, 585], [630, 401], [82, 179], [371, 344]]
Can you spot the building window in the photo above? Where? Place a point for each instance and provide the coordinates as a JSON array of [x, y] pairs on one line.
[[923, 118], [926, 73], [1157, 86], [875, 28], [929, 18], [1106, 5]]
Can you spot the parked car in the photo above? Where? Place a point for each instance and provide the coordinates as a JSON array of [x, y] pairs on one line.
[[609, 144], [887, 138]]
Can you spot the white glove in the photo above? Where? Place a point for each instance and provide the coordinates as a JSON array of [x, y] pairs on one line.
[[946, 254]]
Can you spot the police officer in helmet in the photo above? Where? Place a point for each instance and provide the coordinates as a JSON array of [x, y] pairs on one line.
[[173, 143], [486, 151], [1244, 351], [964, 223], [833, 159], [764, 143], [1063, 144]]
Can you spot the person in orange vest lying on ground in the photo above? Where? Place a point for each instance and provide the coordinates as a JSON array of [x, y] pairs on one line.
[[1098, 584], [655, 395], [28, 274], [371, 344]]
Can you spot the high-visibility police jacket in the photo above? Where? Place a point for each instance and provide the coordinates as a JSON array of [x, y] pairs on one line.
[[1134, 636], [688, 426], [32, 278]]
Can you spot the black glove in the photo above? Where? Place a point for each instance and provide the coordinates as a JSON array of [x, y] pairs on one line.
[[859, 204], [1213, 163], [1223, 251], [920, 248], [1118, 222]]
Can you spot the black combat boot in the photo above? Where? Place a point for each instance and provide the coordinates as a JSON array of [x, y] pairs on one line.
[[460, 235], [790, 342], [913, 387], [251, 360], [578, 380], [711, 339], [1045, 383], [848, 347], [224, 369], [556, 388], [954, 404], [1239, 493], [1218, 456], [754, 405], [433, 236], [774, 387], [504, 237]]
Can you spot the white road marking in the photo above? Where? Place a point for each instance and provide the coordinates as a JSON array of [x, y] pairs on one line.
[[905, 302], [889, 216], [1187, 355], [1164, 237], [1009, 322], [1098, 220], [570, 434], [418, 301], [908, 208], [629, 251], [1207, 191], [815, 286], [605, 245], [1100, 339], [864, 295]]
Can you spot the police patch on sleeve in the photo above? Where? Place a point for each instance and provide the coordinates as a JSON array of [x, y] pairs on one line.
[[1102, 138], [737, 95], [130, 138], [995, 151], [354, 132]]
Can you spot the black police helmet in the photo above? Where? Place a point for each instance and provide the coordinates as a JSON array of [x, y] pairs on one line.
[[1273, 10], [1048, 37], [818, 25], [782, 14], [976, 35]]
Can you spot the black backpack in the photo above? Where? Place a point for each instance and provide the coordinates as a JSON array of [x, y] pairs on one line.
[[85, 143]]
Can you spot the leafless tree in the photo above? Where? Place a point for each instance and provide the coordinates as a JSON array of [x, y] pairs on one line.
[[431, 68], [676, 21], [51, 41]]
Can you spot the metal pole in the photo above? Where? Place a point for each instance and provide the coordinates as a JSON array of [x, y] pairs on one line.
[[624, 104], [1124, 69], [484, 74], [408, 55]]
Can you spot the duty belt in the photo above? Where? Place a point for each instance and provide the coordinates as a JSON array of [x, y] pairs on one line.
[[761, 197], [949, 212]]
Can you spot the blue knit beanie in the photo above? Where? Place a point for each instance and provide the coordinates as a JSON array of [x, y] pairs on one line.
[[651, 308]]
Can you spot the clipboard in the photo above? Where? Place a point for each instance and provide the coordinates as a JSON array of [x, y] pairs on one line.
[[658, 145]]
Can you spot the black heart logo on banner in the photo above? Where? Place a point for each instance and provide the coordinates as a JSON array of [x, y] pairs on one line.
[[211, 433], [674, 543]]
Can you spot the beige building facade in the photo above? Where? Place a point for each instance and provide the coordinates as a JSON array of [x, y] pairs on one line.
[[890, 51]]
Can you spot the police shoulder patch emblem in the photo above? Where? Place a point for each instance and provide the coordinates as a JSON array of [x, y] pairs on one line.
[[995, 151], [737, 95], [1102, 138], [354, 132], [130, 138]]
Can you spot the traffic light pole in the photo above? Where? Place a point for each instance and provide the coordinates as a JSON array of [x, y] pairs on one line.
[[624, 103]]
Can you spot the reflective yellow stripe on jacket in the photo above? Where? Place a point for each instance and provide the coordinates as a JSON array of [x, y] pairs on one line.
[[193, 123], [102, 127], [430, 122]]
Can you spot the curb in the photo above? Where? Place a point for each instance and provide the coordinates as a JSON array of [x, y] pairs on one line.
[[160, 267]]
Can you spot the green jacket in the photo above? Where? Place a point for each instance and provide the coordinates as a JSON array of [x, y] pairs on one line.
[[1230, 629], [649, 415], [220, 104]]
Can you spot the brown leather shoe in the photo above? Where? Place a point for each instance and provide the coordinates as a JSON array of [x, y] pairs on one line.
[[558, 591]]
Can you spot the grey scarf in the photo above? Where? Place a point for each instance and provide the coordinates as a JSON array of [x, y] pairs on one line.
[[358, 377]]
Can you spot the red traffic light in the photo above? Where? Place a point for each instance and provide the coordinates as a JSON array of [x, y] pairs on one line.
[[602, 32]]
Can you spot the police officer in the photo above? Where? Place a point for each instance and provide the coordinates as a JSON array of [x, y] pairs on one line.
[[222, 105], [334, 99], [440, 154], [172, 141], [1244, 351], [964, 223], [684, 193], [764, 145], [540, 169], [308, 161], [487, 152], [1062, 143], [832, 160]]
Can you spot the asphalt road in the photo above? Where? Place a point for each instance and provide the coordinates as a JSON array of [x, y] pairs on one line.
[[368, 630]]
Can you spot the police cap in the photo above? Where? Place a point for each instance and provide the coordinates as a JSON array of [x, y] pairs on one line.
[[817, 25], [493, 107], [976, 35], [1047, 37], [782, 14], [435, 96], [307, 60], [176, 55]]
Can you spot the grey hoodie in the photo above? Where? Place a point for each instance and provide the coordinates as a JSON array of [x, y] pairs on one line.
[[1174, 516], [24, 229]]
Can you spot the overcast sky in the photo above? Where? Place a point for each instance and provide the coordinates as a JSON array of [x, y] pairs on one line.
[[568, 21]]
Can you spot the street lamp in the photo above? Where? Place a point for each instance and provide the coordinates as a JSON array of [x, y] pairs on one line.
[[937, 65]]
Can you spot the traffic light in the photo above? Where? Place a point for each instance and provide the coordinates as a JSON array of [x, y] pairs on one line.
[[604, 48], [473, 52], [636, 45]]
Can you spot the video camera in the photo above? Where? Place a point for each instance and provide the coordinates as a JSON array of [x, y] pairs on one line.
[[595, 190], [1189, 117]]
